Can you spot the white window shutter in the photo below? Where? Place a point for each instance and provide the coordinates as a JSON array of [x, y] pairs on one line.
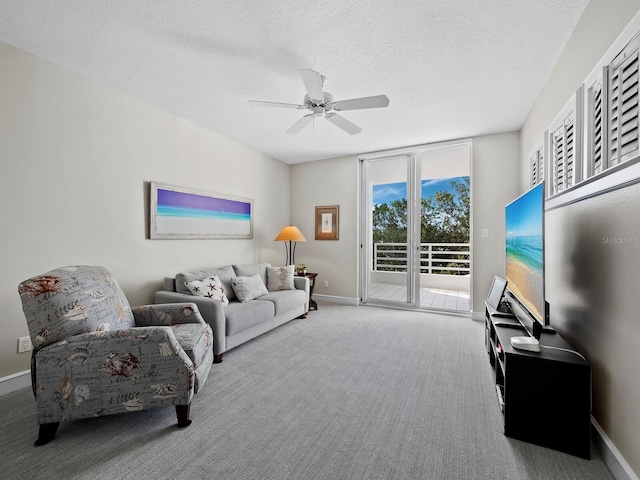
[[623, 105], [564, 137], [558, 159], [536, 162], [596, 119]]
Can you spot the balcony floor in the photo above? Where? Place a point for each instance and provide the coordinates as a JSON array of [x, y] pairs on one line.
[[431, 298]]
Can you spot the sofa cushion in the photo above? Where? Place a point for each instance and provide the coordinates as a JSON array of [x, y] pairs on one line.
[[225, 274], [210, 287], [285, 300], [280, 278], [248, 288], [240, 316], [252, 269]]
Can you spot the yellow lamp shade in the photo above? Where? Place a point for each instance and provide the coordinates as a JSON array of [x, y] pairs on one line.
[[290, 234]]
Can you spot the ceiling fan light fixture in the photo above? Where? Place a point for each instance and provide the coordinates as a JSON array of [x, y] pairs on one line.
[[320, 103]]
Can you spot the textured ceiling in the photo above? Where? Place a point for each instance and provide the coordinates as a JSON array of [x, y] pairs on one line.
[[451, 69]]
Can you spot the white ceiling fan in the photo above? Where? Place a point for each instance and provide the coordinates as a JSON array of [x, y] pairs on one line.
[[321, 104]]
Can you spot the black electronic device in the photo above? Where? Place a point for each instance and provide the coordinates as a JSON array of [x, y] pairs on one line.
[[496, 293], [508, 325]]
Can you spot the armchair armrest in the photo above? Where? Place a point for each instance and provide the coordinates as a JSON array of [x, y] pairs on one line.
[[212, 311], [166, 314]]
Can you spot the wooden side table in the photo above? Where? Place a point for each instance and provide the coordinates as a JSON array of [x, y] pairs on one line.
[[312, 282]]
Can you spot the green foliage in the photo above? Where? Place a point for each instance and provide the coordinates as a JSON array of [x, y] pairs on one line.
[[444, 218]]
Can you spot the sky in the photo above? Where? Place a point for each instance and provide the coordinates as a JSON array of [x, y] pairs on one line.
[[525, 215], [392, 191]]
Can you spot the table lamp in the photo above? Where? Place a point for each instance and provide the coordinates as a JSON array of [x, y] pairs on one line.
[[292, 235]]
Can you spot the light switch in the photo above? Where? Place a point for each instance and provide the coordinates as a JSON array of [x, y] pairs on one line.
[[485, 233]]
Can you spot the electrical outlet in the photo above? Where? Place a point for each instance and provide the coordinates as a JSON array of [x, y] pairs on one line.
[[326, 284], [24, 344]]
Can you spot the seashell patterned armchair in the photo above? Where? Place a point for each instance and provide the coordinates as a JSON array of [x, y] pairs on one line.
[[95, 355]]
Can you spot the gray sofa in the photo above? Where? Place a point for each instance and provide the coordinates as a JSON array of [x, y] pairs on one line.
[[237, 323]]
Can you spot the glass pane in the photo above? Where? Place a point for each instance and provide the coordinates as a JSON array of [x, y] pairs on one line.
[[445, 256], [388, 268]]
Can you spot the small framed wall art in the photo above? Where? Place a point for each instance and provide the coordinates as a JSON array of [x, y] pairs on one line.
[[186, 213], [327, 222]]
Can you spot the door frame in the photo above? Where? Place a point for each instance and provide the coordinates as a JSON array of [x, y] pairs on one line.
[[413, 176]]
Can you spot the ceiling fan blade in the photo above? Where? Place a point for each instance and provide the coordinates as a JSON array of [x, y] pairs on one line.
[[257, 103], [313, 83], [300, 124], [343, 123], [377, 101]]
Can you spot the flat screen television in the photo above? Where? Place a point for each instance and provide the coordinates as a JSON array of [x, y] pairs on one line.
[[525, 252]]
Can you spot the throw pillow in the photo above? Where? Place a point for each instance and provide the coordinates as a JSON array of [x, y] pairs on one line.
[[210, 287], [225, 274], [280, 278], [248, 288], [252, 269]]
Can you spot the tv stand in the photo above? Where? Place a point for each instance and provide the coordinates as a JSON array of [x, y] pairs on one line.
[[545, 396]]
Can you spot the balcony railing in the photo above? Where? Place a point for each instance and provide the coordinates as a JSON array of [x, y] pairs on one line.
[[440, 258]]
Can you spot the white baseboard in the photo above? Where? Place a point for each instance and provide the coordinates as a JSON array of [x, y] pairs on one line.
[[17, 381], [610, 454], [354, 302]]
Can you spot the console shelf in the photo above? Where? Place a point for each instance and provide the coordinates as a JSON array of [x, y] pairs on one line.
[[545, 396]]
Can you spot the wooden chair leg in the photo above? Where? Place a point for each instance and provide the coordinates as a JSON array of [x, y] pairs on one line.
[[183, 415], [46, 434]]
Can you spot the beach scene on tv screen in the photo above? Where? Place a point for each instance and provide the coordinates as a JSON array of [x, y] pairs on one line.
[[524, 251]]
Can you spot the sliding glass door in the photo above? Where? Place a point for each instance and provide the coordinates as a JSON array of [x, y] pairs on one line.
[[389, 246], [415, 227]]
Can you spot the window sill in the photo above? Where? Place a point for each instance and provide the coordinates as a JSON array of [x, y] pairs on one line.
[[614, 178]]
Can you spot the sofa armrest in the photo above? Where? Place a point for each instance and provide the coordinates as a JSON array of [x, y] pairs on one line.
[[166, 314], [302, 283], [212, 312]]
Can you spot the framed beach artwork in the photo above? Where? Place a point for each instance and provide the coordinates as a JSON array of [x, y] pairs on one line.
[[327, 222], [186, 213]]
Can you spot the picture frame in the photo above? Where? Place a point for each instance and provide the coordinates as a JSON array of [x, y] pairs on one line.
[[327, 222], [187, 213]]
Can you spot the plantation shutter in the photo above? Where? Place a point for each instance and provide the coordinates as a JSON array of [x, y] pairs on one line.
[[557, 156], [623, 104], [537, 167], [596, 111], [563, 154], [569, 155], [534, 170]]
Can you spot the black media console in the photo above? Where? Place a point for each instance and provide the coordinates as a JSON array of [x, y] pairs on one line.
[[545, 396]]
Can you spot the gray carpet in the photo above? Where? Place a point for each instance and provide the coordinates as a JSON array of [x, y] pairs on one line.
[[348, 393]]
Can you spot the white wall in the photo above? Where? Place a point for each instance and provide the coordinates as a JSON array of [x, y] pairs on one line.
[[74, 161], [494, 183], [591, 285], [328, 182]]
